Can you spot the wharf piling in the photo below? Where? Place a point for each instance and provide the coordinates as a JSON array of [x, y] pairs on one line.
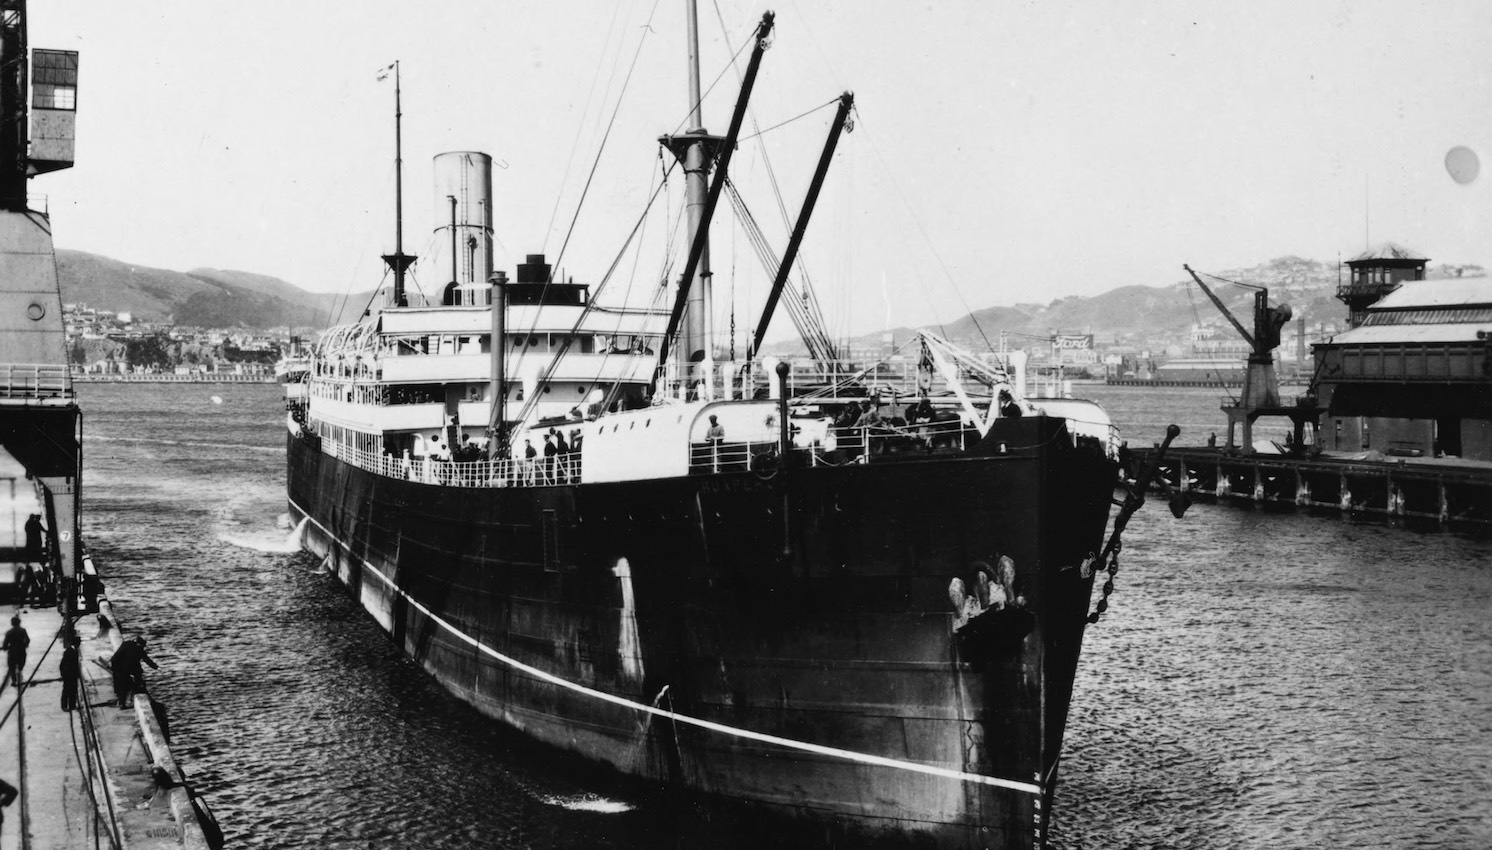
[[1448, 491]]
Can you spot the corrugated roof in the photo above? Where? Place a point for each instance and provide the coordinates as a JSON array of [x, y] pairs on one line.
[[1446, 292], [1411, 334], [1388, 251]]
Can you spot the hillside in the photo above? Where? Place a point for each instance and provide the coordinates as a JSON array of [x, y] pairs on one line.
[[1162, 312], [217, 298], [211, 298]]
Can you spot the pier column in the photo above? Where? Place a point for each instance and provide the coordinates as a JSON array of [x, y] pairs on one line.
[[1302, 488], [1258, 484], [1345, 499]]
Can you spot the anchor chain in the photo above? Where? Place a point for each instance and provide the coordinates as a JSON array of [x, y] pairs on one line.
[[1108, 586], [1132, 503]]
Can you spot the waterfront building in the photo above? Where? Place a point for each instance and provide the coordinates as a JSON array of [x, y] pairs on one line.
[[1413, 375]]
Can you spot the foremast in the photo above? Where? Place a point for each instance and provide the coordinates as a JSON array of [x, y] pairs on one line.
[[398, 262]]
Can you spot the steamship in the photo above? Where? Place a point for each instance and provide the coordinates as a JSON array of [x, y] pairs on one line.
[[850, 599]]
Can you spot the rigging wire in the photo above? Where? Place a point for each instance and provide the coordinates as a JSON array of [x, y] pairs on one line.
[[891, 176], [338, 306], [531, 401], [706, 93], [580, 126], [801, 263], [585, 191], [832, 102]]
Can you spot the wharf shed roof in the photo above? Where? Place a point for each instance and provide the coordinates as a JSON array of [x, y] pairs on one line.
[[1451, 292], [1411, 334], [1389, 251], [1452, 310]]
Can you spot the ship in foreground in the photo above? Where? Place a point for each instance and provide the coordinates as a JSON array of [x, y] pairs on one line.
[[851, 598]]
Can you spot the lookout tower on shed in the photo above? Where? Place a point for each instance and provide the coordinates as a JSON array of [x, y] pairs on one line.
[[1375, 273]]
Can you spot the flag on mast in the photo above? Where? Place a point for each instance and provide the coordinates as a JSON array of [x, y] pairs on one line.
[[383, 73]]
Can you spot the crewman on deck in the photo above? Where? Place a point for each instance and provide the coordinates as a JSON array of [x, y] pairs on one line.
[[70, 671], [34, 546], [1008, 406], [16, 641], [125, 665]]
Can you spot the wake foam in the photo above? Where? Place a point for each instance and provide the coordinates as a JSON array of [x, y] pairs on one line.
[[586, 803], [268, 542]]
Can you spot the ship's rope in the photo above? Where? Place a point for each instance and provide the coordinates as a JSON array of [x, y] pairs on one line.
[[902, 196], [585, 112], [580, 204], [721, 728], [530, 402]]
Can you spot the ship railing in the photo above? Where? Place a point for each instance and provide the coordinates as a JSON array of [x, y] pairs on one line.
[[502, 472], [838, 446], [34, 381], [898, 378]]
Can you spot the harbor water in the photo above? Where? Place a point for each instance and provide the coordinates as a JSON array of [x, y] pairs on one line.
[[1260, 680]]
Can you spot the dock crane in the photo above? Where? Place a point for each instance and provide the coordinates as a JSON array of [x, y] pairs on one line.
[[1261, 385]]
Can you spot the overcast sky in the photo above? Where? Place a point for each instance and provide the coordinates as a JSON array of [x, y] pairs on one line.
[[1003, 152]]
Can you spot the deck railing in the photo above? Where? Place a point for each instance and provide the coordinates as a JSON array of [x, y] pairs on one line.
[[32, 381], [503, 472], [838, 446], [857, 444]]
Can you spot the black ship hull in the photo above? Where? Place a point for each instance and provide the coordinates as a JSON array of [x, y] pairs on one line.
[[781, 642]]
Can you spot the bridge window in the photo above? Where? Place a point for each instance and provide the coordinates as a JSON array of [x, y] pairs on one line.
[[54, 79]]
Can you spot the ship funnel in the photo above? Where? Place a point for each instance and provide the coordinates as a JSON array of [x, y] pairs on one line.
[[465, 176]]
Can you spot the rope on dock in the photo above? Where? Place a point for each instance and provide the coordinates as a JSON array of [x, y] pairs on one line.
[[787, 743]]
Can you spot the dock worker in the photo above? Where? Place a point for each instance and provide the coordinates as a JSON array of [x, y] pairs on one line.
[[34, 538], [125, 665], [16, 641], [70, 670]]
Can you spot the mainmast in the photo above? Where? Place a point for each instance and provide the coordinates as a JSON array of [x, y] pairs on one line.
[[398, 261], [698, 151]]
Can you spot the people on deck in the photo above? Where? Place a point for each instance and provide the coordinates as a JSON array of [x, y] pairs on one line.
[[16, 641], [70, 671], [1008, 406], [35, 550], [550, 451], [129, 677]]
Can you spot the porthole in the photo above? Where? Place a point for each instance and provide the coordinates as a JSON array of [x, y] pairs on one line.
[[35, 311]]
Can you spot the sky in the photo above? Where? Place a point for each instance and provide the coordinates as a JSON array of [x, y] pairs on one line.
[[1002, 153]]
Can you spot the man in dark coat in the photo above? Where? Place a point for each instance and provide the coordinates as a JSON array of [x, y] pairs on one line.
[[70, 671], [125, 665], [16, 641], [34, 538]]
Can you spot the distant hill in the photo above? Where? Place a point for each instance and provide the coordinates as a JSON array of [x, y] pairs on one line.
[[216, 298], [210, 298], [1149, 313]]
